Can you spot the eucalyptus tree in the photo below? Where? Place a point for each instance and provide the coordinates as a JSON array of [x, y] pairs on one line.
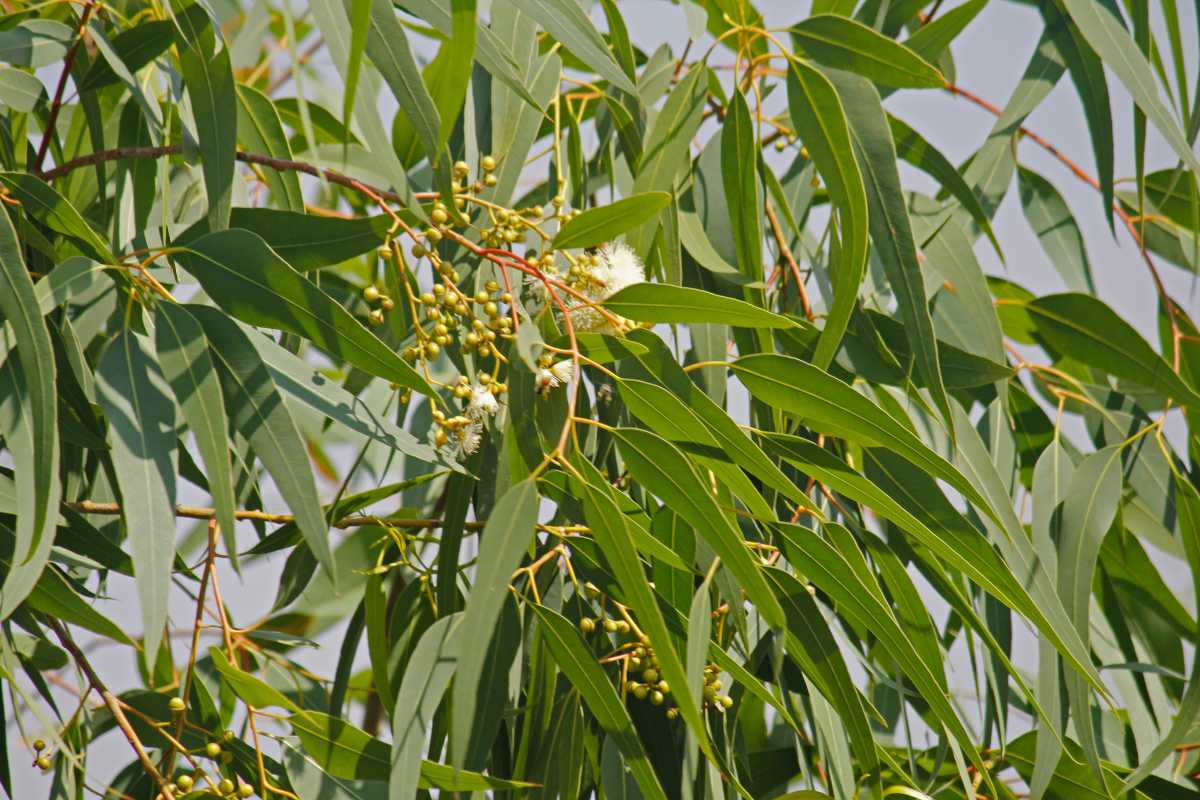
[[617, 417]]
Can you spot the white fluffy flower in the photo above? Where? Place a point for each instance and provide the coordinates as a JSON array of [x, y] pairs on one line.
[[463, 441], [619, 267], [556, 375], [482, 403], [564, 371]]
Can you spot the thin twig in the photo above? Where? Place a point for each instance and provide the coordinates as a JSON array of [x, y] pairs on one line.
[[786, 254], [199, 512]]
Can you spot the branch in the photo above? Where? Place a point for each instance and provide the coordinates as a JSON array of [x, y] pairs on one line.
[[199, 512], [1079, 172], [114, 706], [56, 104], [280, 164]]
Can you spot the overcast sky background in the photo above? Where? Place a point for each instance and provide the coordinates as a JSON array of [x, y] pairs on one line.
[[990, 56]]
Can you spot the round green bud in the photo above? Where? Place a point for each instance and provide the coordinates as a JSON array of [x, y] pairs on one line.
[[226, 786], [43, 763], [488, 163], [585, 625], [245, 790], [212, 749], [439, 216], [176, 704], [39, 745], [370, 294], [656, 698], [184, 782]]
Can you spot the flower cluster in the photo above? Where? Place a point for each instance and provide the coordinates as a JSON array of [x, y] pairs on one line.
[[598, 276]]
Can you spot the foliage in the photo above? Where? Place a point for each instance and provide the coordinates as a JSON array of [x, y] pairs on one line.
[[619, 415]]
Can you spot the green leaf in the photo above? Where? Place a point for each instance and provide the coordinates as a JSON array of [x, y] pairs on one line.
[[932, 39], [509, 530], [37, 408], [1056, 229], [567, 22], [389, 51], [891, 230], [1104, 31], [54, 597], [49, 207], [209, 79], [250, 689], [820, 119], [914, 149], [135, 48], [666, 151], [663, 302], [865, 605], [250, 281], [845, 44], [35, 43], [810, 642], [611, 532], [826, 404], [662, 469], [261, 131], [141, 420], [451, 90], [256, 409], [426, 678], [307, 242], [1088, 509], [183, 353], [19, 90], [360, 23], [1089, 331], [589, 679], [346, 751], [743, 190], [605, 223]]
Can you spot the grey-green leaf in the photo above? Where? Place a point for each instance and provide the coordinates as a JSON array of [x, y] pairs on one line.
[[141, 419]]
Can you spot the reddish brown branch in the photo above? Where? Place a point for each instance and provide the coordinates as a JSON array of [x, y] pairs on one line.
[[1130, 225], [280, 164], [56, 103]]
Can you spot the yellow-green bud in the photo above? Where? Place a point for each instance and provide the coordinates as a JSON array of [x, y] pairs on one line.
[[212, 749], [184, 782], [488, 163], [226, 786], [370, 294], [176, 704]]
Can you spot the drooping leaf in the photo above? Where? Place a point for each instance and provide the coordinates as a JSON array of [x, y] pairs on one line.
[[256, 409], [604, 223], [249, 279], [819, 118], [183, 353], [1091, 332], [208, 75], [661, 302], [503, 542], [37, 408], [141, 419], [581, 669], [845, 44]]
